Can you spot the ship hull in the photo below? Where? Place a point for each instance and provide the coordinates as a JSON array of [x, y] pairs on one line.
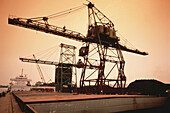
[[100, 106], [69, 103]]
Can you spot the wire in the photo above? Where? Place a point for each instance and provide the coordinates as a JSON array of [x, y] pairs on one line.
[[126, 41], [47, 75], [56, 14], [65, 12], [49, 53], [46, 54]]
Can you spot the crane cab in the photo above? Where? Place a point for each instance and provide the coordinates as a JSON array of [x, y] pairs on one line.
[[106, 33]]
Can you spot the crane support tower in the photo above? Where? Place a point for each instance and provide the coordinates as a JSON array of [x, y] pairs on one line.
[[65, 73], [101, 47], [101, 30]]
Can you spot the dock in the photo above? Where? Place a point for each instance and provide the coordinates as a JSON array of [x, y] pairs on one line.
[[9, 105]]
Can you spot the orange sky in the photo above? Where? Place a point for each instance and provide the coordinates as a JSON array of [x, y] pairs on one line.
[[144, 23]]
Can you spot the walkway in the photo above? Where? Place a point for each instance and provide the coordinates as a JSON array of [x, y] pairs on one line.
[[9, 105]]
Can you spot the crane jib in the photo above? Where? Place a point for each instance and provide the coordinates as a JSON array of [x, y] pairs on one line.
[[39, 26]]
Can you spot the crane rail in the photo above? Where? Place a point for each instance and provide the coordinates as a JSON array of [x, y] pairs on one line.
[[44, 27]]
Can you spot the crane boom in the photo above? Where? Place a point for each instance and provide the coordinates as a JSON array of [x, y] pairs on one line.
[[54, 63], [44, 27]]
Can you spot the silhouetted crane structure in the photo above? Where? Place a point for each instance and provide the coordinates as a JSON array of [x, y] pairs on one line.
[[39, 70], [101, 38], [65, 73]]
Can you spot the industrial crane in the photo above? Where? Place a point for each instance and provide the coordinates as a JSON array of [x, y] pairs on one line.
[[101, 37], [39, 70]]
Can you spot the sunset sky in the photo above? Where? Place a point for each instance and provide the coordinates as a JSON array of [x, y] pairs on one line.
[[144, 23]]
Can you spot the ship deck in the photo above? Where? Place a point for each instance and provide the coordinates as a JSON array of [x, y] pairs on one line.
[[37, 97], [66, 102]]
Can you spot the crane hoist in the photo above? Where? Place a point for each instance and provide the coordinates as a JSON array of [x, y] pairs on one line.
[[101, 37]]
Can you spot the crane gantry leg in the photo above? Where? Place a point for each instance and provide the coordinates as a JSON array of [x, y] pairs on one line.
[[100, 29], [64, 73]]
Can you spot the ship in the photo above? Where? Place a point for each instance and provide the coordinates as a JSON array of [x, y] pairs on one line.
[[54, 102], [20, 83], [134, 101]]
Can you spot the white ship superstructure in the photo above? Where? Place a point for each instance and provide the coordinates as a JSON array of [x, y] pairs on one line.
[[20, 83]]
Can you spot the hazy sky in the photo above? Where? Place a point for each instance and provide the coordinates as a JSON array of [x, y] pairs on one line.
[[144, 23]]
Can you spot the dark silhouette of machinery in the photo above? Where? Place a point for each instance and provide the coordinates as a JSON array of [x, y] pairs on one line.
[[101, 47]]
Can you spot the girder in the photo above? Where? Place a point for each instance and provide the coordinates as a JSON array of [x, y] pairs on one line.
[[55, 63]]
